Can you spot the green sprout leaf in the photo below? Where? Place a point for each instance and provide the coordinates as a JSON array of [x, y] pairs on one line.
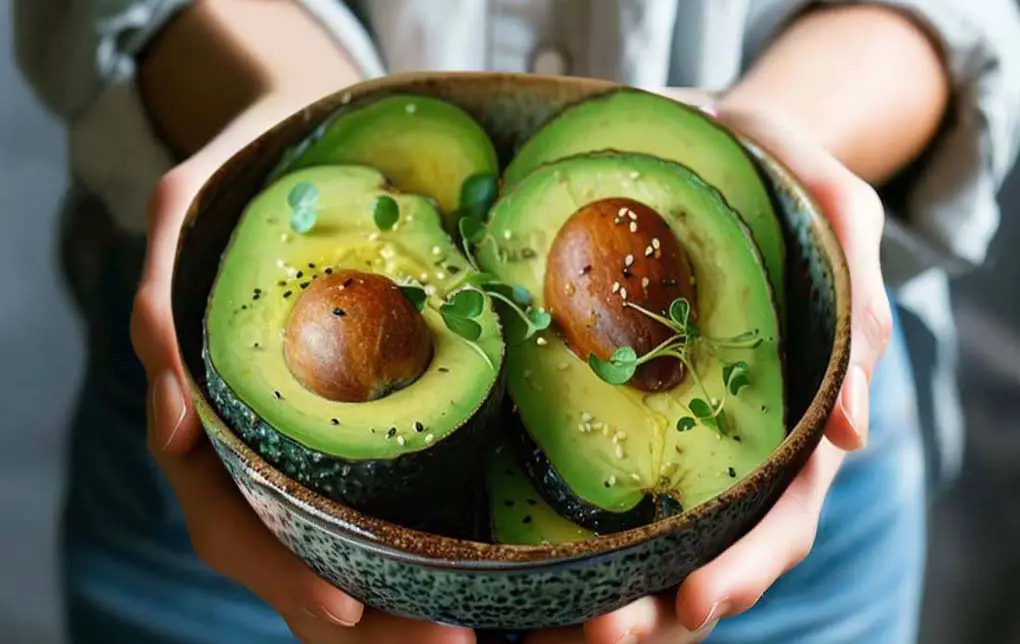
[[471, 230], [301, 199], [465, 328], [482, 279], [478, 193], [541, 320], [680, 311], [685, 424], [618, 369], [385, 212], [466, 304], [416, 295], [704, 412], [736, 376]]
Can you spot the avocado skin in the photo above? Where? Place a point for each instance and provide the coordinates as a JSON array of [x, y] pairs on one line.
[[435, 490], [558, 495]]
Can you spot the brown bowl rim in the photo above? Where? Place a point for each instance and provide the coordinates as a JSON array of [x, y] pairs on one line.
[[430, 550]]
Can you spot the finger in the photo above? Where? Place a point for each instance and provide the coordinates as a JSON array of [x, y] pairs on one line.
[[647, 620], [228, 536], [733, 581], [857, 217], [377, 628]]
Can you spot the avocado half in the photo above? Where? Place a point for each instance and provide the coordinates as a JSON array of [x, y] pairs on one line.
[[633, 120], [609, 456], [391, 455]]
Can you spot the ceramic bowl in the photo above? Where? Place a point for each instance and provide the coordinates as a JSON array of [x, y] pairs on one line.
[[487, 586]]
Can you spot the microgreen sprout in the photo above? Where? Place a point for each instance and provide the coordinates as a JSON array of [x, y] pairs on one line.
[[385, 212], [302, 199]]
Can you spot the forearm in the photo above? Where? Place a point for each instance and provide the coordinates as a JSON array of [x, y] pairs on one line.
[[219, 57], [864, 81]]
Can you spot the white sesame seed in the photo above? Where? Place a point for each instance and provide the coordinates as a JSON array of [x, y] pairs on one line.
[[540, 341], [373, 237], [440, 275], [644, 282], [622, 212], [387, 252], [616, 439], [507, 234], [616, 287], [424, 277], [611, 481], [622, 434], [401, 440], [619, 451], [587, 427], [429, 439], [430, 289], [410, 108], [634, 476], [635, 174], [436, 250], [628, 260], [586, 417], [285, 237], [655, 243], [605, 430], [633, 226], [623, 293], [598, 425], [648, 251], [580, 427], [280, 263]]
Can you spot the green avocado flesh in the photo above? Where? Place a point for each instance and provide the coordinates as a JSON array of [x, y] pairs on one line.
[[632, 450], [519, 514], [422, 145], [244, 334], [631, 120]]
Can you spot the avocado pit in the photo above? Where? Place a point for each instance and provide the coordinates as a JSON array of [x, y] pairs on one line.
[[353, 336], [609, 253]]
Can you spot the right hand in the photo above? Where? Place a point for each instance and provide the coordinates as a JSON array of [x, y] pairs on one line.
[[225, 532]]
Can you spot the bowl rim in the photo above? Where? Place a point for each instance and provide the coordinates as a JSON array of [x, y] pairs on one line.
[[422, 549]]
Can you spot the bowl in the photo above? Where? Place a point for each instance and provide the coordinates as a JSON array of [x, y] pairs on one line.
[[505, 587]]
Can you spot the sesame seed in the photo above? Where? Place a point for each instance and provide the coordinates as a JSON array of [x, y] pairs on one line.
[[655, 243], [401, 440], [279, 263], [424, 277], [391, 432], [440, 275], [598, 425], [328, 271], [277, 394], [587, 427], [632, 215], [612, 480], [644, 282], [622, 212], [616, 287], [623, 293], [619, 451], [634, 476], [373, 236], [334, 421], [635, 174], [732, 472], [648, 251], [628, 260], [507, 234], [284, 237], [429, 439], [436, 250], [616, 438], [430, 289], [622, 434], [418, 427], [540, 341], [633, 226], [288, 293], [605, 430], [339, 312], [580, 427], [586, 417]]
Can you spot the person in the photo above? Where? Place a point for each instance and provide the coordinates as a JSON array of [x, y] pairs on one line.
[[909, 101]]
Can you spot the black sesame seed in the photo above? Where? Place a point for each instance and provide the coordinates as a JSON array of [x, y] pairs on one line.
[[509, 503], [527, 253], [586, 269], [452, 270], [258, 291], [304, 285], [348, 282], [255, 344], [339, 312], [443, 370], [328, 271], [288, 293], [311, 265], [737, 438], [626, 272], [532, 502], [418, 427], [526, 519], [256, 296], [281, 283], [277, 394], [391, 432], [733, 473], [300, 274], [244, 307], [334, 421]]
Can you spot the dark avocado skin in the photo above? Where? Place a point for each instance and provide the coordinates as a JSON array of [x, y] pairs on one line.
[[401, 490], [557, 494]]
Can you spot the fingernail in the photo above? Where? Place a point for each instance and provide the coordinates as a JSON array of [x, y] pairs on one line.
[[628, 638], [854, 403], [168, 407], [346, 612], [340, 621], [718, 610]]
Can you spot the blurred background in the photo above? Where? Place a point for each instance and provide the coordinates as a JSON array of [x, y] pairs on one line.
[[972, 594]]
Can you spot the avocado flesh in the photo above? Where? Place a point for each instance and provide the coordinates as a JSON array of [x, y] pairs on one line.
[[423, 145], [632, 120], [519, 514], [556, 390], [372, 454]]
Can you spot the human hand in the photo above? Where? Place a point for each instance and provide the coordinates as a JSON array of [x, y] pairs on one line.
[[735, 580], [225, 532]]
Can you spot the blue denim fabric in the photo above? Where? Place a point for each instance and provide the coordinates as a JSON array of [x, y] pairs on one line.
[[131, 576]]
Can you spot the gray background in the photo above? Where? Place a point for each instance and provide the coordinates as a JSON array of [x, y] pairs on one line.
[[974, 558]]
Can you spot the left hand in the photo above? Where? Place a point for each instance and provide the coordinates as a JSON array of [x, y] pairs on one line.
[[734, 581]]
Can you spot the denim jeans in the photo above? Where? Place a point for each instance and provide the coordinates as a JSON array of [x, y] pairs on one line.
[[132, 577]]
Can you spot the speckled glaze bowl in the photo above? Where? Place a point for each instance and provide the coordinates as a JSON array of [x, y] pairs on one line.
[[488, 586]]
